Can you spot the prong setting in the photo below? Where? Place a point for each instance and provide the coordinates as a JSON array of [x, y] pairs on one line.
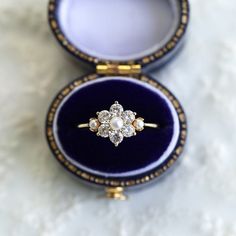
[[139, 124], [116, 124]]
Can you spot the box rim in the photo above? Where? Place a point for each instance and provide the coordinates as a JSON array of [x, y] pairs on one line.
[[115, 181]]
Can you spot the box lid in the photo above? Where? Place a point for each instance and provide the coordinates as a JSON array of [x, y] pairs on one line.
[[126, 32]]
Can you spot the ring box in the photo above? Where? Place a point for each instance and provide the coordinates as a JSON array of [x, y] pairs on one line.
[[120, 39]]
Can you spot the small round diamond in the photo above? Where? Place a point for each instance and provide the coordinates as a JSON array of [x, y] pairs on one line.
[[128, 117], [139, 124], [93, 124], [103, 130], [128, 131], [104, 116], [116, 109], [116, 137]]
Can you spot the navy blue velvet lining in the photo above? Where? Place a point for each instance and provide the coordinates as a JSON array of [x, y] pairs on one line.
[[100, 154]]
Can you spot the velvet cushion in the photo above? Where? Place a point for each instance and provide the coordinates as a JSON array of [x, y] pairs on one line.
[[98, 155]]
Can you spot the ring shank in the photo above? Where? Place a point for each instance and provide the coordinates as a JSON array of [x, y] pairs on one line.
[[149, 125], [83, 125]]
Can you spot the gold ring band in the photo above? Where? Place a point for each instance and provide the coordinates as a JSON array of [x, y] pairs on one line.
[[116, 124], [149, 125]]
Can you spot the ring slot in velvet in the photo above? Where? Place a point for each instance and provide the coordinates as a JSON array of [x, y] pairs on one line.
[[99, 154]]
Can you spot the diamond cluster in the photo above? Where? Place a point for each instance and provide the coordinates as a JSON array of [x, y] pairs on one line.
[[116, 124]]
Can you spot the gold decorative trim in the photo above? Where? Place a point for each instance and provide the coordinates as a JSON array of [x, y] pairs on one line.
[[169, 46], [114, 182]]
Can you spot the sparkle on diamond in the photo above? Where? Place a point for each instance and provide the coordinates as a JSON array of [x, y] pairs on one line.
[[112, 127]]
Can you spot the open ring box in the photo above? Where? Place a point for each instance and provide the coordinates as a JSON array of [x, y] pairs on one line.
[[119, 39]]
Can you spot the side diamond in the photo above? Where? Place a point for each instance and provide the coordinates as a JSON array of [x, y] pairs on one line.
[[128, 117], [103, 130], [128, 131], [104, 116], [116, 137], [116, 109]]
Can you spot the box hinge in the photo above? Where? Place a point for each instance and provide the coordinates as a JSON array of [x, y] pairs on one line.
[[113, 69]]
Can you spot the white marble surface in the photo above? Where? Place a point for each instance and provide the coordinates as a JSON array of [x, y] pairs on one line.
[[37, 198]]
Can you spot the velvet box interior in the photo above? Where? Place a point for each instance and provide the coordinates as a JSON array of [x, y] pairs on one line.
[[134, 157], [123, 32]]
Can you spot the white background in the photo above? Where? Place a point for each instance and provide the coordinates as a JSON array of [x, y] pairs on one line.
[[37, 198]]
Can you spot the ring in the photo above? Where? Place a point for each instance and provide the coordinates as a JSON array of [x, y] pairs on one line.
[[116, 124]]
